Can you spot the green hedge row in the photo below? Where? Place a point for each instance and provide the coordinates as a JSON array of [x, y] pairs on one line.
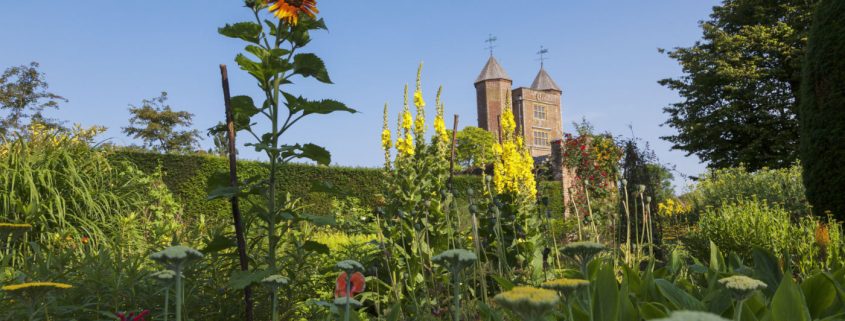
[[188, 176]]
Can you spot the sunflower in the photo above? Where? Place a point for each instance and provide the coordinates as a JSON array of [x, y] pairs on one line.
[[289, 10]]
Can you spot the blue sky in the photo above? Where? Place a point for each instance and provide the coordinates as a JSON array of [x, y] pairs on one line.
[[103, 55]]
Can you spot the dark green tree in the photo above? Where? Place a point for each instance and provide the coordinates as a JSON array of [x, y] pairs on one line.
[[473, 147], [822, 111], [741, 84], [156, 124], [24, 95]]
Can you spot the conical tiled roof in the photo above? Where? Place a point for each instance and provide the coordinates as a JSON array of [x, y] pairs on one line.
[[544, 82], [492, 70]]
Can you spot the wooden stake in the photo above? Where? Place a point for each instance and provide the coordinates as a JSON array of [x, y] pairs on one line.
[[233, 180]]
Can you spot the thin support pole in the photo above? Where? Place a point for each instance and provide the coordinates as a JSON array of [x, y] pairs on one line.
[[233, 181]]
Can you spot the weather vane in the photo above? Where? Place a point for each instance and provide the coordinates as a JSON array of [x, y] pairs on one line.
[[542, 53], [490, 40]]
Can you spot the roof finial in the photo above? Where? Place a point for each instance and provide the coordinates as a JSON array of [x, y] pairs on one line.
[[542, 53], [490, 40]]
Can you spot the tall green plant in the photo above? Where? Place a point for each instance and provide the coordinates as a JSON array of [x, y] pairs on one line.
[[77, 198], [275, 45]]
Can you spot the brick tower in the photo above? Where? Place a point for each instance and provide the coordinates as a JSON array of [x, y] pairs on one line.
[[491, 88], [538, 113]]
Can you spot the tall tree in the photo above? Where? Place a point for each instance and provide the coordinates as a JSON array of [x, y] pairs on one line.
[[822, 111], [741, 84], [24, 95], [156, 124], [474, 147]]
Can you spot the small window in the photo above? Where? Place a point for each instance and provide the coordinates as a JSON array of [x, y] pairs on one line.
[[541, 139], [539, 112]]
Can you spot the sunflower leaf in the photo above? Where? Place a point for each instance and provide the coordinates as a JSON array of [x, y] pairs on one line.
[[247, 31], [309, 65]]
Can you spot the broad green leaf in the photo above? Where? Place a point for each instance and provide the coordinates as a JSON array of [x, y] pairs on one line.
[[224, 192], [652, 310], [309, 65], [248, 31], [316, 153], [717, 261], [679, 298], [317, 247], [503, 283], [605, 294], [243, 109], [766, 269], [307, 107], [627, 311], [253, 68], [788, 302], [819, 293], [241, 279], [218, 243]]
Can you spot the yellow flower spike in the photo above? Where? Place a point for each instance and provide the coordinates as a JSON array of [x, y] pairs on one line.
[[406, 120], [418, 99]]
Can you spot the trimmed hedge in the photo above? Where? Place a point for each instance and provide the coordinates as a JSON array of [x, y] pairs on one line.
[[187, 177], [822, 110]]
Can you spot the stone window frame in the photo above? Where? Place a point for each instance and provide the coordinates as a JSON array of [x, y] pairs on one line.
[[541, 138], [540, 112]]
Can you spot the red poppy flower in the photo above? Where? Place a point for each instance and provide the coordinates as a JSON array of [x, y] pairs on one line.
[[358, 284]]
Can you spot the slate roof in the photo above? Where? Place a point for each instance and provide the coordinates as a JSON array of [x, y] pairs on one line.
[[492, 70], [544, 82]]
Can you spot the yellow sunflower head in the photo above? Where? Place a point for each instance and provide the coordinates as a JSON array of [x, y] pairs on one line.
[[289, 10]]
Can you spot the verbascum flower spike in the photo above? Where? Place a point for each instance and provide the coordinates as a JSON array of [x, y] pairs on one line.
[[386, 141], [440, 121]]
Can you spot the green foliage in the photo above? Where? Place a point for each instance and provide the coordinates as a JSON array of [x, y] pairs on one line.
[[822, 111], [78, 197], [745, 224], [781, 187], [23, 93], [190, 177], [473, 147], [741, 85], [156, 123]]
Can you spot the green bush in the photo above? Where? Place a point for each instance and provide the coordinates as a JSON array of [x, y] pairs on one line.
[[75, 197], [822, 110], [740, 226], [781, 187]]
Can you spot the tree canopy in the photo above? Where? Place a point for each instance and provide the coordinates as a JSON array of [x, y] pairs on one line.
[[474, 147], [741, 83], [156, 124], [24, 95]]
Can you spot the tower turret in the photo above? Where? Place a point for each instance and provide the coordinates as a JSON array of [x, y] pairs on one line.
[[491, 88]]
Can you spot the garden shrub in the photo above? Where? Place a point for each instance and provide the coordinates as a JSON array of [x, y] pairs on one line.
[[781, 187], [740, 226], [76, 197], [822, 110]]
